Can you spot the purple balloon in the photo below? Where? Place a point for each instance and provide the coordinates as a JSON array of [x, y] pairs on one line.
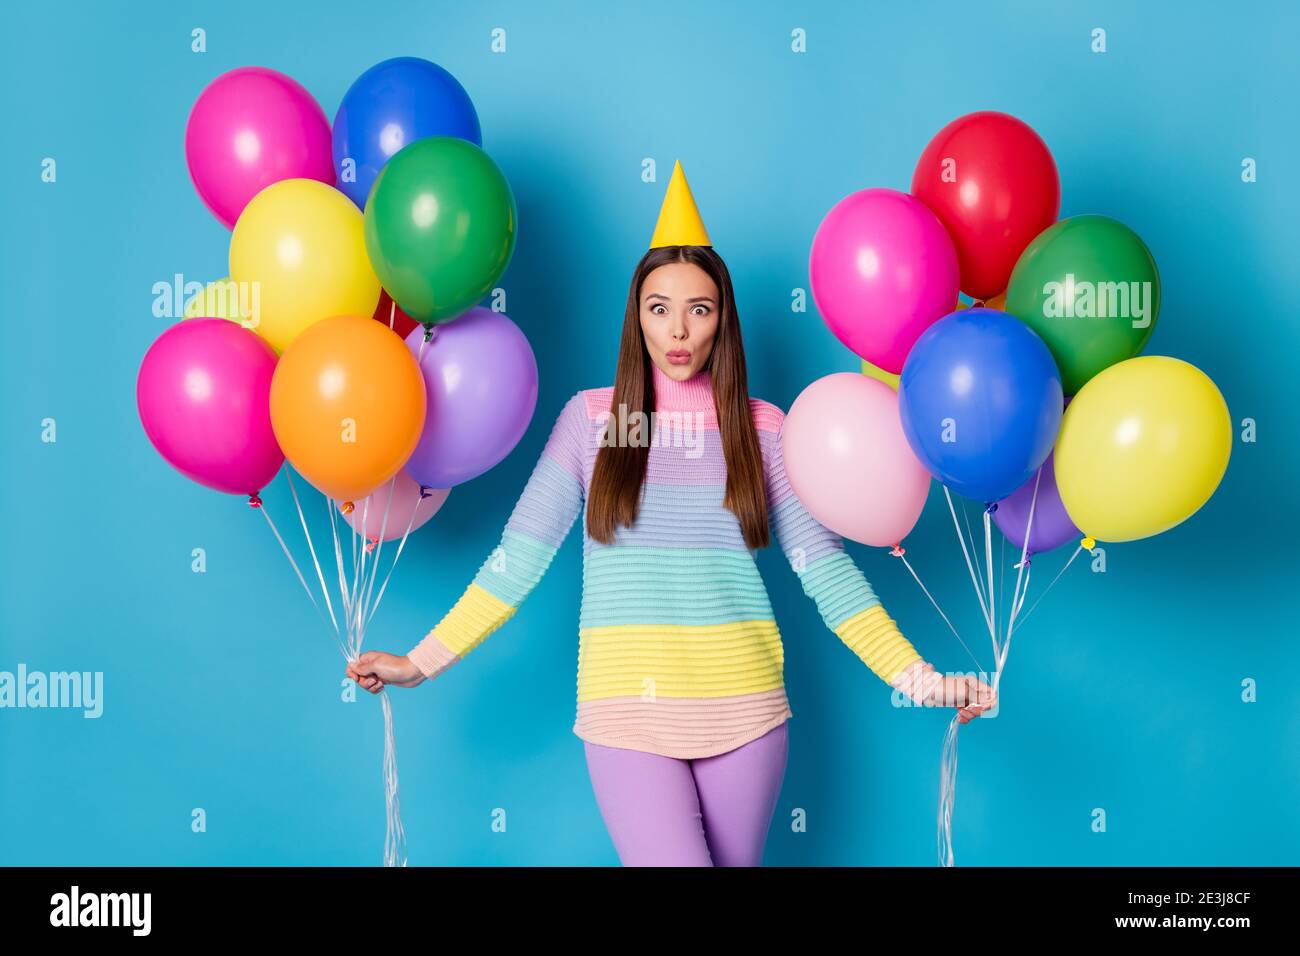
[[1052, 525], [204, 396], [480, 377]]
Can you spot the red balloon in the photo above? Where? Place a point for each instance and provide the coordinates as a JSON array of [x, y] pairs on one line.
[[391, 314], [992, 182]]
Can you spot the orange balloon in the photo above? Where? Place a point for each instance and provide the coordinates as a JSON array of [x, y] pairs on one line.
[[347, 405], [998, 302]]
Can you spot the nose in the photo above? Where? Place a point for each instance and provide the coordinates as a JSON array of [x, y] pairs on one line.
[[678, 327]]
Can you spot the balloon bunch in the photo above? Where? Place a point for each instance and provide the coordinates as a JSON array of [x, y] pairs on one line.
[[1033, 400], [348, 337]]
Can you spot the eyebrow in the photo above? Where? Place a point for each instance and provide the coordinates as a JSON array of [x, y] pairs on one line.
[[698, 298]]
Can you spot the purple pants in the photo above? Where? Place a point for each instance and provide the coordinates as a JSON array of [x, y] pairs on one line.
[[710, 811]]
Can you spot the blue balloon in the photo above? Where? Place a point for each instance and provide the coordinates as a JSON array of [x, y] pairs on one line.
[[980, 401], [390, 105]]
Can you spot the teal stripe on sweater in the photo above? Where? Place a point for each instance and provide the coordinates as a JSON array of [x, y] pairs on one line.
[[839, 588], [515, 567], [628, 585]]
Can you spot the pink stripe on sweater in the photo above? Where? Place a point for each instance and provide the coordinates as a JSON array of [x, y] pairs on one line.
[[683, 727]]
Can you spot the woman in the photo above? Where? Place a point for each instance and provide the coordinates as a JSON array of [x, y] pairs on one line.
[[681, 702]]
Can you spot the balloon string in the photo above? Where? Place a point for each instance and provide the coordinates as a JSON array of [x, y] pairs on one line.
[[965, 553], [320, 575], [1018, 594], [898, 553], [988, 559], [363, 584], [353, 529], [948, 755], [358, 576], [947, 791], [379, 551], [395, 834], [392, 315], [338, 559], [1002, 575], [1025, 616], [292, 563], [970, 536], [400, 547]]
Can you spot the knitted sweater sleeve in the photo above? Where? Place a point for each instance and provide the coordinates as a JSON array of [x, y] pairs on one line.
[[829, 576], [538, 525]]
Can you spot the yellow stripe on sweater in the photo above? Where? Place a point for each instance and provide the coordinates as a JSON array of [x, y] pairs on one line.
[[471, 619], [679, 660], [875, 638]]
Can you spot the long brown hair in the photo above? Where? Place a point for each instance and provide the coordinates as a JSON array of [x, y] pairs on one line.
[[620, 469]]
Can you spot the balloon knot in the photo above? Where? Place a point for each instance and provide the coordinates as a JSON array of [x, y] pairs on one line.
[[348, 507], [254, 501], [370, 545], [428, 333], [1019, 564], [992, 508], [898, 550], [425, 492], [1088, 543]]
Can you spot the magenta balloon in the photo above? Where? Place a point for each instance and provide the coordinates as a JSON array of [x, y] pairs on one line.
[[204, 396], [409, 507], [883, 270], [481, 380], [249, 128], [848, 461]]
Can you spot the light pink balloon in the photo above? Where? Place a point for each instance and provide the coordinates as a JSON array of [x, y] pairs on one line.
[[849, 462], [406, 501], [249, 128], [883, 270]]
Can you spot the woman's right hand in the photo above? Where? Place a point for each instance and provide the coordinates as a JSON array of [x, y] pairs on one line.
[[373, 669]]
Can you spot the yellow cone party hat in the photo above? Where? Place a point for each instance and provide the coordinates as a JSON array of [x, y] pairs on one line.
[[679, 221]]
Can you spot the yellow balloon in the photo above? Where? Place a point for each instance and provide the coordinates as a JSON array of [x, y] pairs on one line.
[[880, 375], [300, 244], [1142, 446], [221, 299]]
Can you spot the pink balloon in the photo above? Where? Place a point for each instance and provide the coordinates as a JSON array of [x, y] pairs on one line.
[[204, 396], [249, 128], [849, 462], [883, 270], [406, 502]]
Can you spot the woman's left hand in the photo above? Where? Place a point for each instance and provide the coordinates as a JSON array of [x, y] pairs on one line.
[[970, 695]]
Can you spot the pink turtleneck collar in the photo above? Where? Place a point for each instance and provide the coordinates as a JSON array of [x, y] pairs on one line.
[[693, 394]]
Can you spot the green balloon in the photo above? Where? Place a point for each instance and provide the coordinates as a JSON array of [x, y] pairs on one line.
[[1089, 287], [440, 227]]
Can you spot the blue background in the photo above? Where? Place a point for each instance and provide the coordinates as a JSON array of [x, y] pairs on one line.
[[222, 690]]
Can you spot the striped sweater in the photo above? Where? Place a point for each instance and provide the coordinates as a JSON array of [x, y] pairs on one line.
[[679, 653]]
